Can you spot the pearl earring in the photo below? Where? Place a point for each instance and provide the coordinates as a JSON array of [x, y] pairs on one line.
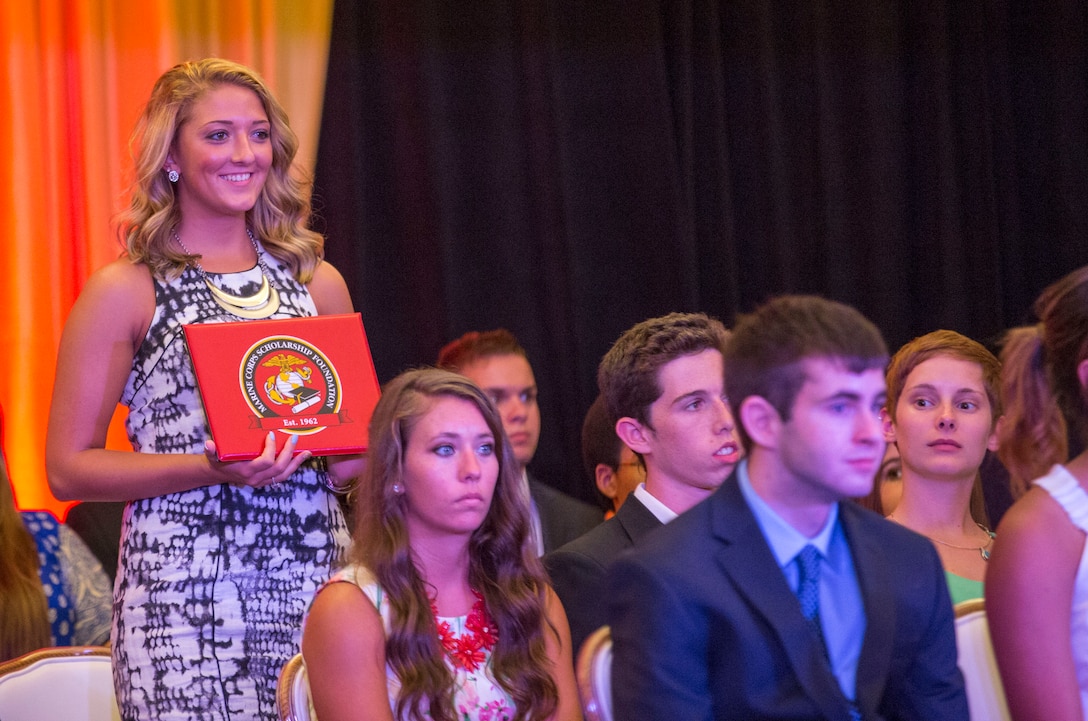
[[398, 488], [173, 175]]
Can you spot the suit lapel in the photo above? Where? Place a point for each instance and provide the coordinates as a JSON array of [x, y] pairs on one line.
[[747, 560], [876, 582]]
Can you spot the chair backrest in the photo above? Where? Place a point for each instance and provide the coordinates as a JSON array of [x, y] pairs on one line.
[[985, 693], [72, 683], [594, 672], [293, 691]]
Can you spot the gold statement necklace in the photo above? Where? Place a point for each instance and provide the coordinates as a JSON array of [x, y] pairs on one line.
[[262, 304]]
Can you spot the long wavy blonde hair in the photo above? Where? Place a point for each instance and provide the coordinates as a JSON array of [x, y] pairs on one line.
[[282, 211], [24, 614], [502, 564]]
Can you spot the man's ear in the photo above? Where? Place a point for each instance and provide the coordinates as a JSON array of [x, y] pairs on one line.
[[889, 426], [606, 480], [634, 434], [761, 421]]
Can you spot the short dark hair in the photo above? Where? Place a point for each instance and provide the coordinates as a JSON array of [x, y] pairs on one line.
[[600, 444], [765, 354], [627, 375], [475, 345]]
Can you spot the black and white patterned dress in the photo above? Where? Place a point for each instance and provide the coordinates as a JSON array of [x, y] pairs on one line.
[[212, 583]]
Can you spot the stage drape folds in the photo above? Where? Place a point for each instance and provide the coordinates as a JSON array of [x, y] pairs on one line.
[[74, 75], [566, 169]]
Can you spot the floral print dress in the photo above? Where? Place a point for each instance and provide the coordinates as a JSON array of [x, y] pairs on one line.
[[469, 639]]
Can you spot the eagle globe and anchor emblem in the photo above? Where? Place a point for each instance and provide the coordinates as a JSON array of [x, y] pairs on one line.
[[290, 386]]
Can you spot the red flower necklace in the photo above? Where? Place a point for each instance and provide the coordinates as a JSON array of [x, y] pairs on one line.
[[467, 650]]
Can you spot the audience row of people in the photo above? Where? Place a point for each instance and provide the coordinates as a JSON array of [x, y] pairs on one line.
[[779, 597], [739, 577]]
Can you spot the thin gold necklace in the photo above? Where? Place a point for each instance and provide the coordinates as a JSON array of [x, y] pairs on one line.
[[984, 550], [262, 304]]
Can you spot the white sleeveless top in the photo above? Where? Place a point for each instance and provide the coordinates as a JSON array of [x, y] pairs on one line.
[[477, 695], [1069, 494]]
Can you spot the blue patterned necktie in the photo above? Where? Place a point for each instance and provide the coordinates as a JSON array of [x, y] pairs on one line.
[[808, 590], [808, 593]]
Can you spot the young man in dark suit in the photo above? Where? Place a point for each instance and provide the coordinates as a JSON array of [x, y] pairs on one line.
[[663, 383], [777, 598]]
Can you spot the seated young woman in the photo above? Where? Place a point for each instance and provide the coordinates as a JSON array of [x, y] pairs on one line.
[[942, 413], [445, 612], [53, 592], [1037, 587]]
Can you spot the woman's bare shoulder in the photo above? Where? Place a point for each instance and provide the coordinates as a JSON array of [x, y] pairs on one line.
[[330, 291], [120, 277], [121, 293], [1034, 512], [1036, 535]]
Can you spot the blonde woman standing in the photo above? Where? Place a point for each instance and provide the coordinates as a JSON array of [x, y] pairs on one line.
[[218, 560]]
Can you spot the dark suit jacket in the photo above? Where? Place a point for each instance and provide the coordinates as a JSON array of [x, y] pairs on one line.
[[562, 518], [705, 626], [577, 569]]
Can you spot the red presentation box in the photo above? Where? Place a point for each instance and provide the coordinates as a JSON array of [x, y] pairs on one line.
[[307, 377]]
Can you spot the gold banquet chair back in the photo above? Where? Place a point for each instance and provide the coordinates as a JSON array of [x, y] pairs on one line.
[[985, 693], [293, 691], [593, 670], [71, 683]]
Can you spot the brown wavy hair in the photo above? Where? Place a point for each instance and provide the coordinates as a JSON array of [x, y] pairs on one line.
[[502, 564], [1034, 435], [628, 375], [1046, 405], [24, 613], [279, 217]]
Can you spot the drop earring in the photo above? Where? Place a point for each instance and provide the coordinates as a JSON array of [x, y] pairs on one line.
[[172, 176], [398, 488]]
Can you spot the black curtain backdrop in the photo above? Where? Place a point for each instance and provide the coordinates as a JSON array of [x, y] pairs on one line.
[[567, 169]]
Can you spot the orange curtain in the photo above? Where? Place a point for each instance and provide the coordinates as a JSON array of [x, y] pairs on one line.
[[74, 76]]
